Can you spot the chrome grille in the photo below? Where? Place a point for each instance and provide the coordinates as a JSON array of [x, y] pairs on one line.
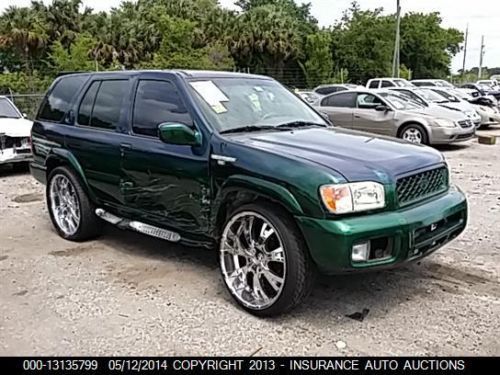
[[466, 123], [422, 185]]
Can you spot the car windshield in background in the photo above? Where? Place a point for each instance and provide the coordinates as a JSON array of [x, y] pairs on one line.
[[7, 110], [402, 83], [400, 102], [430, 96], [447, 96], [247, 103]]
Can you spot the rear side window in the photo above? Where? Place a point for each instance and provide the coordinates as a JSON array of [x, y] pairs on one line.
[[58, 102], [326, 90], [347, 99], [157, 102], [387, 84], [374, 84], [102, 104]]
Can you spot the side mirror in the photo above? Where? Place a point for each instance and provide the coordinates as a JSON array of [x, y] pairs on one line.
[[25, 115], [382, 108], [179, 134]]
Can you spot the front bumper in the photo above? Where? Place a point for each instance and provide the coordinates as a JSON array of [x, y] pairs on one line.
[[330, 241], [12, 155], [450, 135]]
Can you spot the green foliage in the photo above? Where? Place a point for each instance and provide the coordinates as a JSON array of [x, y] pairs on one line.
[[279, 38], [318, 65]]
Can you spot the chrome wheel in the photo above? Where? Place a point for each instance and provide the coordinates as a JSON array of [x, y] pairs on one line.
[[412, 135], [64, 204], [253, 260]]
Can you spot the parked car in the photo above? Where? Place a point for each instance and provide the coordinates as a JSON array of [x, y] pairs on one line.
[[336, 87], [387, 113], [238, 163], [309, 96], [432, 82], [477, 91], [15, 146], [489, 87], [489, 113], [492, 84], [380, 83], [436, 104]]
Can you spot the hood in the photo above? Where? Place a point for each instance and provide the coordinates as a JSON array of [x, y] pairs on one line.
[[442, 111], [15, 127], [356, 155]]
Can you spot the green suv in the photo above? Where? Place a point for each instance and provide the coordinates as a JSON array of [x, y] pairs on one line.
[[238, 163]]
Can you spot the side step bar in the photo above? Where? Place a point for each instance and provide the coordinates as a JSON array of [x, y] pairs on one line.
[[144, 228]]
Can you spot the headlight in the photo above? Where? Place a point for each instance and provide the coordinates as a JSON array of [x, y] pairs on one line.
[[353, 197], [444, 123]]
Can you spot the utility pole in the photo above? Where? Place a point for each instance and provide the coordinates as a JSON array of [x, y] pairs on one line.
[[465, 49], [395, 59], [481, 56]]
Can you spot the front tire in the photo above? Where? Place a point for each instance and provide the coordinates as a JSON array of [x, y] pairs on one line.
[[264, 261], [70, 210], [414, 133]]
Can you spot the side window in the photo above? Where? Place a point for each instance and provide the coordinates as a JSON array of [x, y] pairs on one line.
[[368, 101], [157, 102], [374, 84], [347, 99], [108, 104], [387, 84], [85, 110], [57, 103], [326, 90]]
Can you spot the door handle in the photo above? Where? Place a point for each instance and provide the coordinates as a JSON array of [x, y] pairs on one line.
[[125, 146]]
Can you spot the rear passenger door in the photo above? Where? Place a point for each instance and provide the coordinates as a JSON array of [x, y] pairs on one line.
[[95, 140], [164, 183], [339, 108]]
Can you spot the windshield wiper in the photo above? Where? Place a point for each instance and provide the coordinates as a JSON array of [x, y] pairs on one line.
[[248, 128], [300, 124]]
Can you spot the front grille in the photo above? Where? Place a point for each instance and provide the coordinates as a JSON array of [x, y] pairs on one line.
[[466, 123], [419, 186], [11, 142]]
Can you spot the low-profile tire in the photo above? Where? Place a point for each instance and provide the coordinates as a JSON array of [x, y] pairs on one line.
[[70, 210], [250, 244], [414, 133]]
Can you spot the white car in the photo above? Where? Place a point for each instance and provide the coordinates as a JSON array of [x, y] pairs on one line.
[[491, 84], [383, 83], [432, 82], [15, 133]]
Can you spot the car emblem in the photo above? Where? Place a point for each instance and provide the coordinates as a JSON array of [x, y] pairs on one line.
[[433, 227]]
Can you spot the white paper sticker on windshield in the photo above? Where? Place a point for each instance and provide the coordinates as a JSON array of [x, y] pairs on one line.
[[209, 92], [219, 108]]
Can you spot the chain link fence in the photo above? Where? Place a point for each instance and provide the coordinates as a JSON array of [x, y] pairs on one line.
[[27, 103]]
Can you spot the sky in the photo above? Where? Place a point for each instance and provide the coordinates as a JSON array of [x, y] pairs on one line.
[[482, 16]]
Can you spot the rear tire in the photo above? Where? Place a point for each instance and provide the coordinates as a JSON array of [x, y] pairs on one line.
[[70, 210], [263, 243], [414, 133]]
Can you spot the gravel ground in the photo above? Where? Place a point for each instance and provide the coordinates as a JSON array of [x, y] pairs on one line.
[[128, 294]]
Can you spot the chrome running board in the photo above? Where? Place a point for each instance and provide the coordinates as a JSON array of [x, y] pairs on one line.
[[144, 228]]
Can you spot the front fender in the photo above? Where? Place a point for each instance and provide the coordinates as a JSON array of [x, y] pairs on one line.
[[259, 187]]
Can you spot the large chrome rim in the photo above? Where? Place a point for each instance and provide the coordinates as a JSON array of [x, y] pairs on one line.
[[64, 204], [253, 260], [413, 135]]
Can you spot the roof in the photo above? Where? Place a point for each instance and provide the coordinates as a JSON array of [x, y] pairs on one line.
[[183, 73]]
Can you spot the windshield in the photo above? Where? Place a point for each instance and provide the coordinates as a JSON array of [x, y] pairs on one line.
[[443, 83], [402, 83], [8, 110], [430, 95], [231, 103], [447, 96], [400, 102]]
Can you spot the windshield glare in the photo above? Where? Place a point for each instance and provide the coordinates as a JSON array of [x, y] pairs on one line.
[[402, 83], [231, 103], [8, 110], [430, 95], [400, 103]]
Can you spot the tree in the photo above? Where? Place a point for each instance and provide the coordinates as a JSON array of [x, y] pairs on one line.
[[76, 58], [318, 66], [426, 47]]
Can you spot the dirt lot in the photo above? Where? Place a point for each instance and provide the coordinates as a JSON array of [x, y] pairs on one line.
[[127, 294]]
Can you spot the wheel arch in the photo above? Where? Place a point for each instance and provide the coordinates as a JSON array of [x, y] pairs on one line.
[[413, 122], [238, 190]]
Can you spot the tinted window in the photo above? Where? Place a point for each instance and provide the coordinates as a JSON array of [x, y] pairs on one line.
[[340, 100], [85, 110], [374, 84], [58, 102], [326, 90], [368, 101], [387, 84], [7, 110], [108, 104], [157, 102]]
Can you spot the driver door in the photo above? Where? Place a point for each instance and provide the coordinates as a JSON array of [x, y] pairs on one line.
[[163, 183], [368, 119]]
